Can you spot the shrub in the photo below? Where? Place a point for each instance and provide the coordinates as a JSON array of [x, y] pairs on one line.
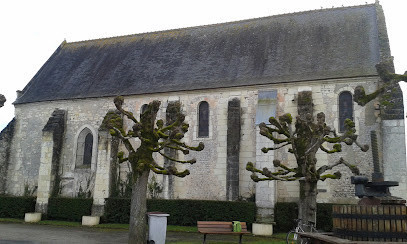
[[117, 210], [285, 213], [184, 212], [324, 216], [16, 207], [71, 209], [188, 212]]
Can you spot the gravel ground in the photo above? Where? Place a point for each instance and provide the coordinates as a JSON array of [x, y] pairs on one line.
[[29, 233], [15, 233]]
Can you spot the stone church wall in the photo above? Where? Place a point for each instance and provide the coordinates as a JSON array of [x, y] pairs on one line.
[[208, 179], [31, 119]]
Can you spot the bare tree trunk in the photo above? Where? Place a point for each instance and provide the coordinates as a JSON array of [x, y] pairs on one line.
[[138, 210], [308, 201]]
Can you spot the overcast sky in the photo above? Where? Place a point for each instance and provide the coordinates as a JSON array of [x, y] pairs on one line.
[[32, 30]]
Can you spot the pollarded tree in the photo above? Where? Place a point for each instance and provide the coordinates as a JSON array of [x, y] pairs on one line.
[[154, 137], [304, 140]]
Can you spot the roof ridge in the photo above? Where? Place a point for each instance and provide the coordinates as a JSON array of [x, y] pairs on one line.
[[217, 24]]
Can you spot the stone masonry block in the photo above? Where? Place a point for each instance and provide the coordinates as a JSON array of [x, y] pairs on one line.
[[32, 217], [389, 123]]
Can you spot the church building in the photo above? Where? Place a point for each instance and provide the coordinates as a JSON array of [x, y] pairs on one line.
[[229, 78]]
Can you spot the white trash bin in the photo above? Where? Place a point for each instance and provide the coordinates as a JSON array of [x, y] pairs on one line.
[[157, 227]]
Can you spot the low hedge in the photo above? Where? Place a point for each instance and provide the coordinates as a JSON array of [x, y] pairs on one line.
[[324, 216], [117, 210], [285, 213], [16, 207], [184, 212], [71, 209]]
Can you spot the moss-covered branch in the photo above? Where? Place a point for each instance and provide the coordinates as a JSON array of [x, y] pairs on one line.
[[287, 174], [390, 82], [384, 73], [336, 148], [171, 171], [121, 157], [362, 99], [118, 102], [266, 149], [335, 176], [354, 169], [191, 161]]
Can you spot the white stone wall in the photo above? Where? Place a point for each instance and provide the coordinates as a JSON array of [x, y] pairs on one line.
[[394, 154], [208, 175], [25, 152]]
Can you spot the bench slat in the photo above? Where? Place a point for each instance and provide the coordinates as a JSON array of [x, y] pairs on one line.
[[226, 233], [217, 230], [216, 226], [214, 222], [221, 225], [214, 230], [208, 223]]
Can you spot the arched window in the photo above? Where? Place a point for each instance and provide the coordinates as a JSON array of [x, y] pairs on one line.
[[203, 117], [84, 148], [345, 109], [87, 155]]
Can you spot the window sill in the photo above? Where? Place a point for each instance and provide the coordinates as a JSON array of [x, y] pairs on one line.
[[82, 167]]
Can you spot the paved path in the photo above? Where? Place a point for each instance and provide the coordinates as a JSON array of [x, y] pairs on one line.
[[29, 233], [15, 233], [12, 233]]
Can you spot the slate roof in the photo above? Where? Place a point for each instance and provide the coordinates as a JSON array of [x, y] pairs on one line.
[[312, 45]]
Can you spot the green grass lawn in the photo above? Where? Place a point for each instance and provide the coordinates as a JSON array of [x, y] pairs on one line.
[[9, 220]]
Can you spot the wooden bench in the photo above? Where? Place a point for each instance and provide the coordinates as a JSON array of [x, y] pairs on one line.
[[222, 228]]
